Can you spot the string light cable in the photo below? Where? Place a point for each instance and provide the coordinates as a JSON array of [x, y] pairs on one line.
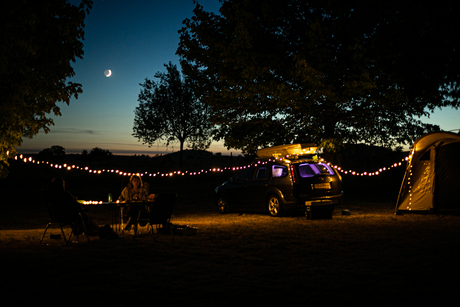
[[203, 171], [195, 173]]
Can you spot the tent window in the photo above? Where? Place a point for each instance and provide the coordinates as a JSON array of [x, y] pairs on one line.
[[426, 156]]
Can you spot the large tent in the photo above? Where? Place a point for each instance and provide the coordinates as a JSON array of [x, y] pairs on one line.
[[432, 178]]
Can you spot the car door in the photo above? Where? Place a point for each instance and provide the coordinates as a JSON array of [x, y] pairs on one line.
[[237, 192], [257, 188], [281, 182]]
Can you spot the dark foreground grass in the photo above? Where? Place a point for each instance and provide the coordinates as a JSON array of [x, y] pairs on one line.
[[370, 257]]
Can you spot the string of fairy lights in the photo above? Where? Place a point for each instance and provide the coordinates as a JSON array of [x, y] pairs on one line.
[[195, 173], [188, 173]]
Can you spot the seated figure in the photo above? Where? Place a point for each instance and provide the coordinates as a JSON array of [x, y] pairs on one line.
[[66, 208], [133, 192]]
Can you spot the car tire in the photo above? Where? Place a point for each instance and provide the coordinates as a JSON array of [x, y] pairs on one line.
[[222, 205], [274, 205]]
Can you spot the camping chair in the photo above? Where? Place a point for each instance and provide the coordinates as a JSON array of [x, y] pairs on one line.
[[158, 214], [61, 218]]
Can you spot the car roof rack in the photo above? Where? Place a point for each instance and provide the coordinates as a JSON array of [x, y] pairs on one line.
[[287, 150]]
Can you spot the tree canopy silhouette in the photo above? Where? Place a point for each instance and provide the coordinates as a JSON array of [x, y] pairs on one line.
[[97, 152], [329, 72], [170, 111], [52, 154], [39, 40]]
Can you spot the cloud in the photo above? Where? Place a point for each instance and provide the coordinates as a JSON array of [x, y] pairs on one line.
[[126, 144], [73, 131]]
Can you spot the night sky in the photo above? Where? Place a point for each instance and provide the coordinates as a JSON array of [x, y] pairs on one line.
[[134, 39]]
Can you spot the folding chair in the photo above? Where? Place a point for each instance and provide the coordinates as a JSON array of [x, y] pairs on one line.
[[59, 217], [158, 214]]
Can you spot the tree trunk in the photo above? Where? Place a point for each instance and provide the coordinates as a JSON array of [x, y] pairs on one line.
[[181, 155], [334, 157]]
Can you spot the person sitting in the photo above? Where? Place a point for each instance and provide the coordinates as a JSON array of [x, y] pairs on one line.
[[66, 206], [133, 192]]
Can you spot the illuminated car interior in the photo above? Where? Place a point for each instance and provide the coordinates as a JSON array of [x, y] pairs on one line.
[[279, 171], [309, 170]]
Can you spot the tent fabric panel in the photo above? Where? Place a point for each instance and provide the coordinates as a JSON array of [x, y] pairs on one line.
[[418, 187], [421, 188], [427, 140], [447, 186]]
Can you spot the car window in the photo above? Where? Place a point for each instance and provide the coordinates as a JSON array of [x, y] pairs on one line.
[[262, 173], [312, 169], [245, 174], [324, 169], [279, 171], [305, 170]]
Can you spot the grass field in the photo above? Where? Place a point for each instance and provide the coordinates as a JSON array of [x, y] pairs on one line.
[[371, 257]]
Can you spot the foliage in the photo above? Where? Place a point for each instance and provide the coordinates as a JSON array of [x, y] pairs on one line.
[[39, 40], [53, 154], [98, 154], [95, 155], [169, 110], [53, 151], [277, 72]]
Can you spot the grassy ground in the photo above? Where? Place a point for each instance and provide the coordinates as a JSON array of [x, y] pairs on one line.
[[370, 257]]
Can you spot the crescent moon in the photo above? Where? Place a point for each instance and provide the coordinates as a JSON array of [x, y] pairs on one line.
[[108, 73]]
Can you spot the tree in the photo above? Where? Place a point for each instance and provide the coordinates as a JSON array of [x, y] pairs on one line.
[[169, 110], [98, 154], [39, 40], [55, 150], [328, 72], [53, 154]]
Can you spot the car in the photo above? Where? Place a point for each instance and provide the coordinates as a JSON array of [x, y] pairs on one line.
[[286, 178]]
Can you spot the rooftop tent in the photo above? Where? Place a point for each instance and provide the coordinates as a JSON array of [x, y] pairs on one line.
[[432, 178]]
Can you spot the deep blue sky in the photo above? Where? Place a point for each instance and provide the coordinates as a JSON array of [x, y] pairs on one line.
[[134, 39]]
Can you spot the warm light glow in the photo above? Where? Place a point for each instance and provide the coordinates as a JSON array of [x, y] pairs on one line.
[[92, 202], [286, 150], [171, 174]]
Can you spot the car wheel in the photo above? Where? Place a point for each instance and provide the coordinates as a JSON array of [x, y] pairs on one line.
[[274, 205], [222, 205]]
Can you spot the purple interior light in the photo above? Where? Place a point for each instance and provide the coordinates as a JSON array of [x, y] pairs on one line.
[[327, 168], [310, 170]]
